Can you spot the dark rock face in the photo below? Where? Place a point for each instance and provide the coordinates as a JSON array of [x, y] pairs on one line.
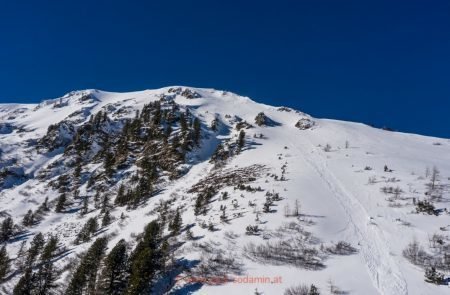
[[304, 124], [186, 92], [58, 135]]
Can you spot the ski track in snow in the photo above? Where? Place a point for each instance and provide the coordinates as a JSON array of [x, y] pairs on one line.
[[384, 272], [349, 208]]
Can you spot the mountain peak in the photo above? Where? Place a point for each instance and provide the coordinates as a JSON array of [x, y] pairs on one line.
[[218, 185]]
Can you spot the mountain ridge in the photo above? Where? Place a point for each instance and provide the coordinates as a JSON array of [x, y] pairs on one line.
[[249, 181]]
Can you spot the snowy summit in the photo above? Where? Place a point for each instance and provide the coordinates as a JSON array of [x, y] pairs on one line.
[[184, 190]]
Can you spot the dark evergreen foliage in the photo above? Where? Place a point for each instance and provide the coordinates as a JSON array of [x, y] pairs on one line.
[[5, 263], [89, 228], [114, 275], [7, 229], [61, 203], [85, 276], [146, 260]]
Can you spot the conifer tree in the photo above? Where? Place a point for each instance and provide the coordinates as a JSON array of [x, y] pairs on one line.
[[189, 234], [241, 140], [84, 210], [198, 209], [84, 278], [25, 284], [61, 203], [106, 220], [215, 124], [35, 249], [183, 123], [114, 275], [109, 163], [120, 198], [77, 170], [145, 261], [89, 228], [105, 203], [6, 230], [46, 275], [28, 219], [175, 225], [5, 263], [44, 205], [21, 256], [96, 199], [197, 131]]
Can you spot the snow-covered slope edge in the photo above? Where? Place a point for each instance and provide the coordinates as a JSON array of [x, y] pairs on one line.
[[349, 182]]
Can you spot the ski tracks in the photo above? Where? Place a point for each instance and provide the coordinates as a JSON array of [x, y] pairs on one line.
[[384, 272]]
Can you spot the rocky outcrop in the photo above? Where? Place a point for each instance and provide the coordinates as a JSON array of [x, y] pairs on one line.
[[304, 124]]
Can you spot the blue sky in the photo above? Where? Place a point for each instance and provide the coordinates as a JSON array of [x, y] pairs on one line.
[[386, 63]]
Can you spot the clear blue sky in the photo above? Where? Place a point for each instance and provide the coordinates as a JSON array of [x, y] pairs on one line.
[[379, 62]]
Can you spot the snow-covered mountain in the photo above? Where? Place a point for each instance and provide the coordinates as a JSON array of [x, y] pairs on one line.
[[249, 198]]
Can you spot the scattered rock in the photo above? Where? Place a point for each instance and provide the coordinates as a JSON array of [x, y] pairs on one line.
[[304, 124]]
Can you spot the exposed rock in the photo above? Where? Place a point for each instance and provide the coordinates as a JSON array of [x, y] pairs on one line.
[[186, 92], [243, 125], [58, 135], [304, 124], [261, 119]]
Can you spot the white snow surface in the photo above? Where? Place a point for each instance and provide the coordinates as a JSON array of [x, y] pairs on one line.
[[331, 187]]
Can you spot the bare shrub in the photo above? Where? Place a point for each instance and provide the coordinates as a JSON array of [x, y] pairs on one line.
[[342, 248], [297, 290]]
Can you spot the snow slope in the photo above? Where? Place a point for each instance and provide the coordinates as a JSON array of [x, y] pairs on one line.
[[339, 194]]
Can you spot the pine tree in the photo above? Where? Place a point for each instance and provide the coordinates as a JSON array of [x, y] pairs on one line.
[[175, 225], [260, 119], [189, 234], [25, 284], [105, 203], [84, 278], [85, 208], [183, 123], [61, 203], [6, 230], [44, 206], [197, 131], [35, 249], [89, 228], [168, 131], [156, 120], [109, 163], [120, 198], [215, 124], [96, 199], [21, 256], [145, 261], [46, 275], [77, 170], [106, 220], [5, 263], [76, 192], [114, 275], [165, 251], [105, 117], [241, 140], [28, 219], [198, 209]]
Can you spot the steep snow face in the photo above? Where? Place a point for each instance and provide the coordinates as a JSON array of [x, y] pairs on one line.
[[296, 188]]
